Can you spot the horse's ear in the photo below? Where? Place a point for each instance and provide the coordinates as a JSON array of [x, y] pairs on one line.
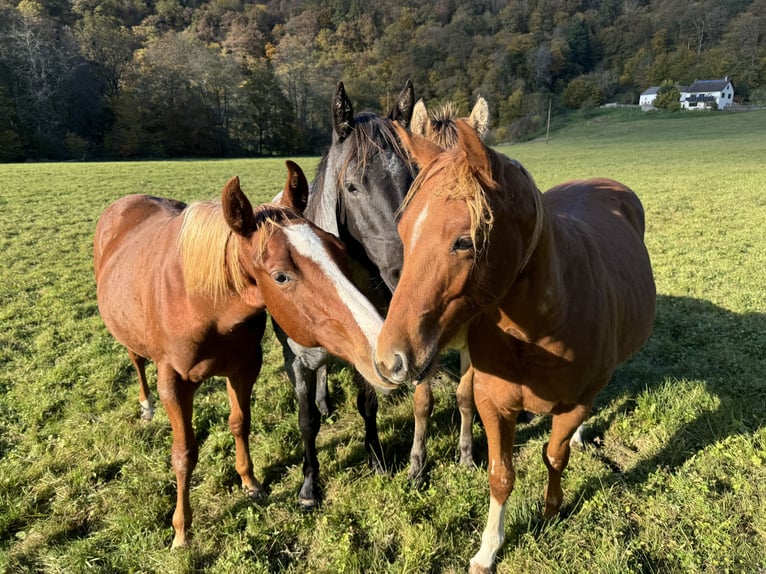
[[420, 150], [479, 118], [237, 209], [402, 112], [471, 144], [342, 113], [296, 192], [420, 119]]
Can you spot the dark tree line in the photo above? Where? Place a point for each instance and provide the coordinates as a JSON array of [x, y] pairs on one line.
[[216, 78]]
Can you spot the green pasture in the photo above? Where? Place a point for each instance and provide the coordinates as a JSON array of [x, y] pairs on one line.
[[673, 478]]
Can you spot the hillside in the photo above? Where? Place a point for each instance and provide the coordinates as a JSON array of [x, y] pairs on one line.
[[191, 78]]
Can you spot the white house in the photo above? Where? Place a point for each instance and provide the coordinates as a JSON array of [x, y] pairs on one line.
[[702, 94], [646, 99]]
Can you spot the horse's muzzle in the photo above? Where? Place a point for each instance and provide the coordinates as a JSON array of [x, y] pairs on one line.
[[393, 369]]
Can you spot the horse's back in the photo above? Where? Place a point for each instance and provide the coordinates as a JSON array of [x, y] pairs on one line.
[[130, 219], [596, 200]]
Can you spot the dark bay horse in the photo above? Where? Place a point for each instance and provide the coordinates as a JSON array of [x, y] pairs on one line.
[[551, 291], [360, 184], [188, 286]]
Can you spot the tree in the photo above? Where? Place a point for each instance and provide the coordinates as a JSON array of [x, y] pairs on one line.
[[107, 43], [11, 143], [177, 100], [582, 91], [39, 59], [668, 97]]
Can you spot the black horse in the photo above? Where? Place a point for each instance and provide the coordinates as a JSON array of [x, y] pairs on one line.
[[360, 184]]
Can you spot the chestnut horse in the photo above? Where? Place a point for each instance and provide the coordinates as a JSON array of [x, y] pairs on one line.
[[188, 287], [551, 291]]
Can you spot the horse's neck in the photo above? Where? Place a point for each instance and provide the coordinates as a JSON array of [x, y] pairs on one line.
[[322, 206], [535, 301]]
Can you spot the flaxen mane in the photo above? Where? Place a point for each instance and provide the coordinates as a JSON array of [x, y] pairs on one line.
[[211, 260]]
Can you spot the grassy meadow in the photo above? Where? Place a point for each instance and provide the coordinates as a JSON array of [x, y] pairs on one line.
[[673, 478]]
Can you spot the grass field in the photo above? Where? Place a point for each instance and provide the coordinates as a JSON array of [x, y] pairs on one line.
[[673, 478]]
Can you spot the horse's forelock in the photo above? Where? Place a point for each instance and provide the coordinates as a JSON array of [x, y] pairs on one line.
[[455, 179], [372, 135], [443, 127]]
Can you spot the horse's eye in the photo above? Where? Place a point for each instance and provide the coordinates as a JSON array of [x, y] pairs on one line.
[[351, 188], [280, 277], [464, 243]]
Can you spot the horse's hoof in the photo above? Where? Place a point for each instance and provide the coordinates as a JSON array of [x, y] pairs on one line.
[[254, 493], [147, 413], [308, 504], [478, 569], [416, 476], [467, 460], [324, 408], [578, 439], [179, 542]]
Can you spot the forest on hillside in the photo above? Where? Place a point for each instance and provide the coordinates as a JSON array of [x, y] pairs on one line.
[[92, 79]]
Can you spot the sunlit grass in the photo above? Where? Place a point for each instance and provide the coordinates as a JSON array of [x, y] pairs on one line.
[[674, 479]]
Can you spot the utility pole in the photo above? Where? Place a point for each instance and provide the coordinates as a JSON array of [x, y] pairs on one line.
[[548, 128]]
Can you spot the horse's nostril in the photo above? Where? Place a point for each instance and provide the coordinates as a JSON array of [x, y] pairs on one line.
[[398, 366]]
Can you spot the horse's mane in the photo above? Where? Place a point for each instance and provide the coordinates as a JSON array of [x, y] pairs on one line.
[[461, 183], [372, 134], [211, 260]]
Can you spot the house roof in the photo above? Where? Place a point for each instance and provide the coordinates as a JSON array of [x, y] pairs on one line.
[[651, 91], [707, 86]]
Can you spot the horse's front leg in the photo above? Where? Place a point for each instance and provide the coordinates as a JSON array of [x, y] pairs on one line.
[[367, 405], [177, 397], [302, 365], [556, 454], [500, 436], [423, 406], [240, 390]]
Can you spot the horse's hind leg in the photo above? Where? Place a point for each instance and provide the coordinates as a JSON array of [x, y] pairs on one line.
[[322, 392], [423, 406], [367, 404], [240, 390], [144, 395], [464, 396], [556, 454], [177, 397]]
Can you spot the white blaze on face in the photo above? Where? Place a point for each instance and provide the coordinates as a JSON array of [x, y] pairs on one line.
[[417, 229], [302, 237]]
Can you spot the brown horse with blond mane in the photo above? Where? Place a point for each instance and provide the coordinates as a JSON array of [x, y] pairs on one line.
[[187, 287], [551, 291]]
